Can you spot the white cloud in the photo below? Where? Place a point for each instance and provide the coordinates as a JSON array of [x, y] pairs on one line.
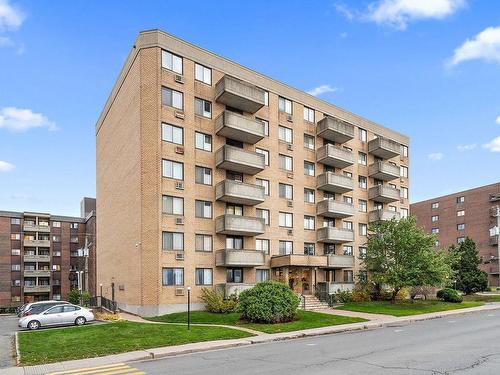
[[11, 17], [493, 145], [19, 120], [317, 91], [435, 156], [5, 166], [498, 120], [484, 46], [345, 11], [469, 147]]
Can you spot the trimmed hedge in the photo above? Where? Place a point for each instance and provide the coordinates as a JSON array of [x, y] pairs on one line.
[[449, 295]]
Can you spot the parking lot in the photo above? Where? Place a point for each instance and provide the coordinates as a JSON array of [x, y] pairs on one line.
[[8, 325]]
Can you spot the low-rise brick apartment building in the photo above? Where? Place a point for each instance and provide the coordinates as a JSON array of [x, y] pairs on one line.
[[210, 174], [471, 213], [41, 254]]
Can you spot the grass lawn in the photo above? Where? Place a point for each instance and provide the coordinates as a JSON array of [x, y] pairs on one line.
[[53, 345], [404, 308], [305, 320], [483, 298]]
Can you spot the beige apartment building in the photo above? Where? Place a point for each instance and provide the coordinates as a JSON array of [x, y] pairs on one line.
[[210, 174]]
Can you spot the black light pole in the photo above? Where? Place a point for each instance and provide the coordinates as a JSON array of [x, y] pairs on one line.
[[189, 307], [100, 296]]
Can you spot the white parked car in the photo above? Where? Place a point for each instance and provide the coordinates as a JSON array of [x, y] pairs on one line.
[[58, 315], [38, 307]]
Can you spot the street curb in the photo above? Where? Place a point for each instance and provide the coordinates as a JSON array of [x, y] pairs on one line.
[[16, 345]]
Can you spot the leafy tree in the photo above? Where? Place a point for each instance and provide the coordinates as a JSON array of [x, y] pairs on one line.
[[399, 255], [74, 296], [468, 277]]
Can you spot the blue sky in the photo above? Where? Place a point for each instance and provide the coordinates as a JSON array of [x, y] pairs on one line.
[[427, 68]]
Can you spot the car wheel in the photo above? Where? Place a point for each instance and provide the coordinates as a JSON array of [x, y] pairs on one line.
[[34, 325], [80, 321]]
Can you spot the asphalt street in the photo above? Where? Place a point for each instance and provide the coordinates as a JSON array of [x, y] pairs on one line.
[[8, 325], [468, 344]]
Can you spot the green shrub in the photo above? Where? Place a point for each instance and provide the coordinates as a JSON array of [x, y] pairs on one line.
[[402, 294], [268, 302], [215, 302], [74, 296], [343, 296], [361, 293], [449, 295]]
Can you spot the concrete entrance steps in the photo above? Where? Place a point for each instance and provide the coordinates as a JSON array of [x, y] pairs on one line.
[[312, 303]]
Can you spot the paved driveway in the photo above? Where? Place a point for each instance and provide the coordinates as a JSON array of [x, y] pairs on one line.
[[8, 325]]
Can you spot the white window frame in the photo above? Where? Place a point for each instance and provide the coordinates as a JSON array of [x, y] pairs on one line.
[[285, 247], [285, 105], [206, 240], [264, 183], [263, 213], [174, 98], [202, 74], [200, 141], [285, 219], [309, 114], [262, 244], [265, 153], [206, 209], [172, 133], [177, 205], [177, 239], [285, 134], [171, 61], [309, 145], [309, 222], [309, 171], [285, 162], [172, 169], [203, 107], [206, 276], [207, 178], [285, 191]]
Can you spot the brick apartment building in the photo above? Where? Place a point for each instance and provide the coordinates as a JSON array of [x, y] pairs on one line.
[[471, 213], [210, 174], [39, 254]]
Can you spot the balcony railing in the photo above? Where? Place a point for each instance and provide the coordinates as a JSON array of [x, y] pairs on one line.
[[37, 258], [299, 260], [494, 240], [36, 288], [234, 126], [384, 148], [36, 273], [382, 215], [384, 194], [230, 289], [335, 130], [335, 287], [36, 228], [340, 261], [383, 171], [236, 225], [331, 208], [334, 183], [334, 156], [334, 235], [239, 258], [239, 160], [239, 193], [239, 94]]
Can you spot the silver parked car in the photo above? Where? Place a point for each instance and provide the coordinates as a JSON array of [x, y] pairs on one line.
[[38, 307], [57, 315]]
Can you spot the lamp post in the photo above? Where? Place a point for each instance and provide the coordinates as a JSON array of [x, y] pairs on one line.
[[189, 307], [100, 295]]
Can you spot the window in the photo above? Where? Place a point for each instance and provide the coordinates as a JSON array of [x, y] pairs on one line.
[[362, 134], [308, 114], [56, 267], [347, 199], [362, 158], [434, 218], [15, 236], [404, 213], [234, 275], [347, 250], [362, 205], [15, 267], [172, 133], [347, 174], [234, 176], [261, 275], [308, 222], [362, 182], [173, 205], [285, 134], [264, 183], [285, 191], [347, 225], [266, 98], [172, 98], [285, 247], [203, 175], [203, 242], [309, 168], [404, 192], [172, 169], [15, 252], [263, 214], [203, 107], [286, 162], [173, 241], [435, 230], [461, 213], [460, 239], [56, 253], [15, 221], [308, 195], [203, 209], [56, 224], [173, 276], [362, 252], [171, 62], [461, 226], [404, 151], [363, 229], [309, 141], [348, 276], [202, 74], [403, 171], [56, 238], [460, 199], [203, 141], [15, 283], [262, 245], [286, 219], [234, 209], [329, 248], [203, 276], [309, 249], [285, 105], [234, 242], [265, 153], [435, 205], [266, 126]]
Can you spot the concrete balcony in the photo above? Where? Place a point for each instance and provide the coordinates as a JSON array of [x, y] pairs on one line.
[[36, 228], [235, 225], [334, 156], [340, 261], [239, 258], [298, 260], [335, 130], [384, 148], [383, 171], [494, 240], [382, 215], [36, 288], [334, 287], [36, 273], [334, 235], [235, 126], [334, 183], [239, 160], [229, 289], [239, 94], [331, 208], [239, 193], [37, 258], [34, 243], [384, 194]]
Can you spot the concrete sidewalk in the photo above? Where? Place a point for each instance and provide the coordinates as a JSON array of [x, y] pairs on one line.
[[379, 321]]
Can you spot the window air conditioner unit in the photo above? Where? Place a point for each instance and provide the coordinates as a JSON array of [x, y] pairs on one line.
[[179, 79], [179, 114], [179, 150], [289, 147], [179, 291], [289, 203], [289, 118], [179, 220], [179, 185], [290, 232], [179, 256]]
